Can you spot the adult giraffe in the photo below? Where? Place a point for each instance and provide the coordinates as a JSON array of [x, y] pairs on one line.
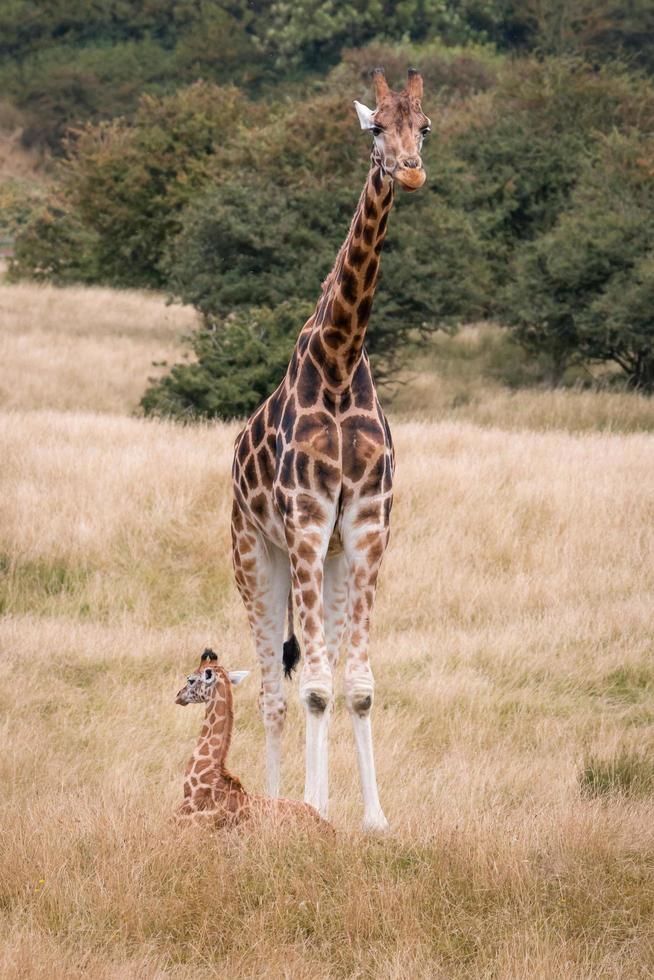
[[313, 472]]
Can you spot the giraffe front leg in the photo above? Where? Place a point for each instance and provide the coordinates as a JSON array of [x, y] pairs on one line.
[[335, 605], [364, 549]]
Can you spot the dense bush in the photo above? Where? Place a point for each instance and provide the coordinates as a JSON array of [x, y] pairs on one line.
[[67, 63], [20, 200], [126, 185], [526, 146], [238, 362], [54, 246], [585, 290]]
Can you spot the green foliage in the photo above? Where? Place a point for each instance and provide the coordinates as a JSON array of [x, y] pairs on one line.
[[54, 246], [238, 362], [449, 73], [19, 200], [525, 148], [65, 64], [584, 290], [123, 190], [628, 772], [310, 32]]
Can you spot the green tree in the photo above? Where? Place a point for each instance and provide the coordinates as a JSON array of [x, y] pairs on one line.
[[525, 147], [126, 184], [583, 291], [238, 362]]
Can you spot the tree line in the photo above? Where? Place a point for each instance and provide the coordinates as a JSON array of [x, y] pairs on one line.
[[70, 61], [537, 212]]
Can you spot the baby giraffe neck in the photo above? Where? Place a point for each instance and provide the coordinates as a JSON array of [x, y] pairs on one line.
[[216, 734], [210, 753]]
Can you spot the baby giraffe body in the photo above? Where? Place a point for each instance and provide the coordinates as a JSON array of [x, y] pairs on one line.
[[211, 792]]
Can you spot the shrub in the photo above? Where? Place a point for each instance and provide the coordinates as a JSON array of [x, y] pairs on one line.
[[239, 361], [68, 64], [584, 291], [54, 246], [19, 201], [125, 185], [525, 146]]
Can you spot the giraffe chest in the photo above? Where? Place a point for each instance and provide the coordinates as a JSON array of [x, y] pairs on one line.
[[310, 462]]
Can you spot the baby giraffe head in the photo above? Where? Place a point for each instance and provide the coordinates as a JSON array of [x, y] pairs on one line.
[[399, 127], [208, 680]]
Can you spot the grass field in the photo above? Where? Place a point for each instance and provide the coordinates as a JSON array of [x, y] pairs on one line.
[[514, 715]]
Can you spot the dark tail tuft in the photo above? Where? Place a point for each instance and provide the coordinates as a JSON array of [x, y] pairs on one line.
[[290, 656], [291, 648]]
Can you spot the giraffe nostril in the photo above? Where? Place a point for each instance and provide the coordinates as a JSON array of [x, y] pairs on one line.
[[411, 164]]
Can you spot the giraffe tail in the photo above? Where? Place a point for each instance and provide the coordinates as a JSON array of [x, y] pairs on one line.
[[291, 648]]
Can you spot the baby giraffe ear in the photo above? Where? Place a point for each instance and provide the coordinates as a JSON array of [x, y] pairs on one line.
[[208, 655], [365, 115], [236, 676]]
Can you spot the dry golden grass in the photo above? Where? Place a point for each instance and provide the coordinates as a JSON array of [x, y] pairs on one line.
[[513, 635], [459, 378], [513, 655], [87, 349]]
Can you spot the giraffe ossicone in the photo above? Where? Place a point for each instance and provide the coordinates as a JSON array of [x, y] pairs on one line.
[[313, 475]]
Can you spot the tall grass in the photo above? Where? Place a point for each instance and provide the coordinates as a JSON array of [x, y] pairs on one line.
[[519, 637], [84, 349]]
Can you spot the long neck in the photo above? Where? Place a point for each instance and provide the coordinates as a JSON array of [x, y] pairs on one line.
[[339, 323], [206, 775], [216, 735]]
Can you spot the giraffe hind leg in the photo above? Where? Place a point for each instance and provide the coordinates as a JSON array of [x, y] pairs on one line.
[[364, 545]]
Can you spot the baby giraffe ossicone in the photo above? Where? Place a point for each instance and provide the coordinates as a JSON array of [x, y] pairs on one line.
[[211, 792]]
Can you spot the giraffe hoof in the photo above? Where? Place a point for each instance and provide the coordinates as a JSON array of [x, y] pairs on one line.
[[377, 824]]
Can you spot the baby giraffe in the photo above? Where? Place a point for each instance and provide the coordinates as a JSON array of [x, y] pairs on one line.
[[210, 791]]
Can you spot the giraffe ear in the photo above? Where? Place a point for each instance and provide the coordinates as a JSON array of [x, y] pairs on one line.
[[365, 115], [236, 676]]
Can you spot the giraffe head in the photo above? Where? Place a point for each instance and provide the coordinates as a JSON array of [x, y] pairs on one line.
[[399, 127], [201, 685]]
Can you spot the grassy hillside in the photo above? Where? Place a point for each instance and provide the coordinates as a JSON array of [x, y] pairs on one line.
[[84, 349], [514, 720]]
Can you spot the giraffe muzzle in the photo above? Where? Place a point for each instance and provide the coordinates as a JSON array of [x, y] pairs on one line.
[[410, 174]]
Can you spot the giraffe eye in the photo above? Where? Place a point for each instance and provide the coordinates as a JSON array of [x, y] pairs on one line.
[[376, 130]]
